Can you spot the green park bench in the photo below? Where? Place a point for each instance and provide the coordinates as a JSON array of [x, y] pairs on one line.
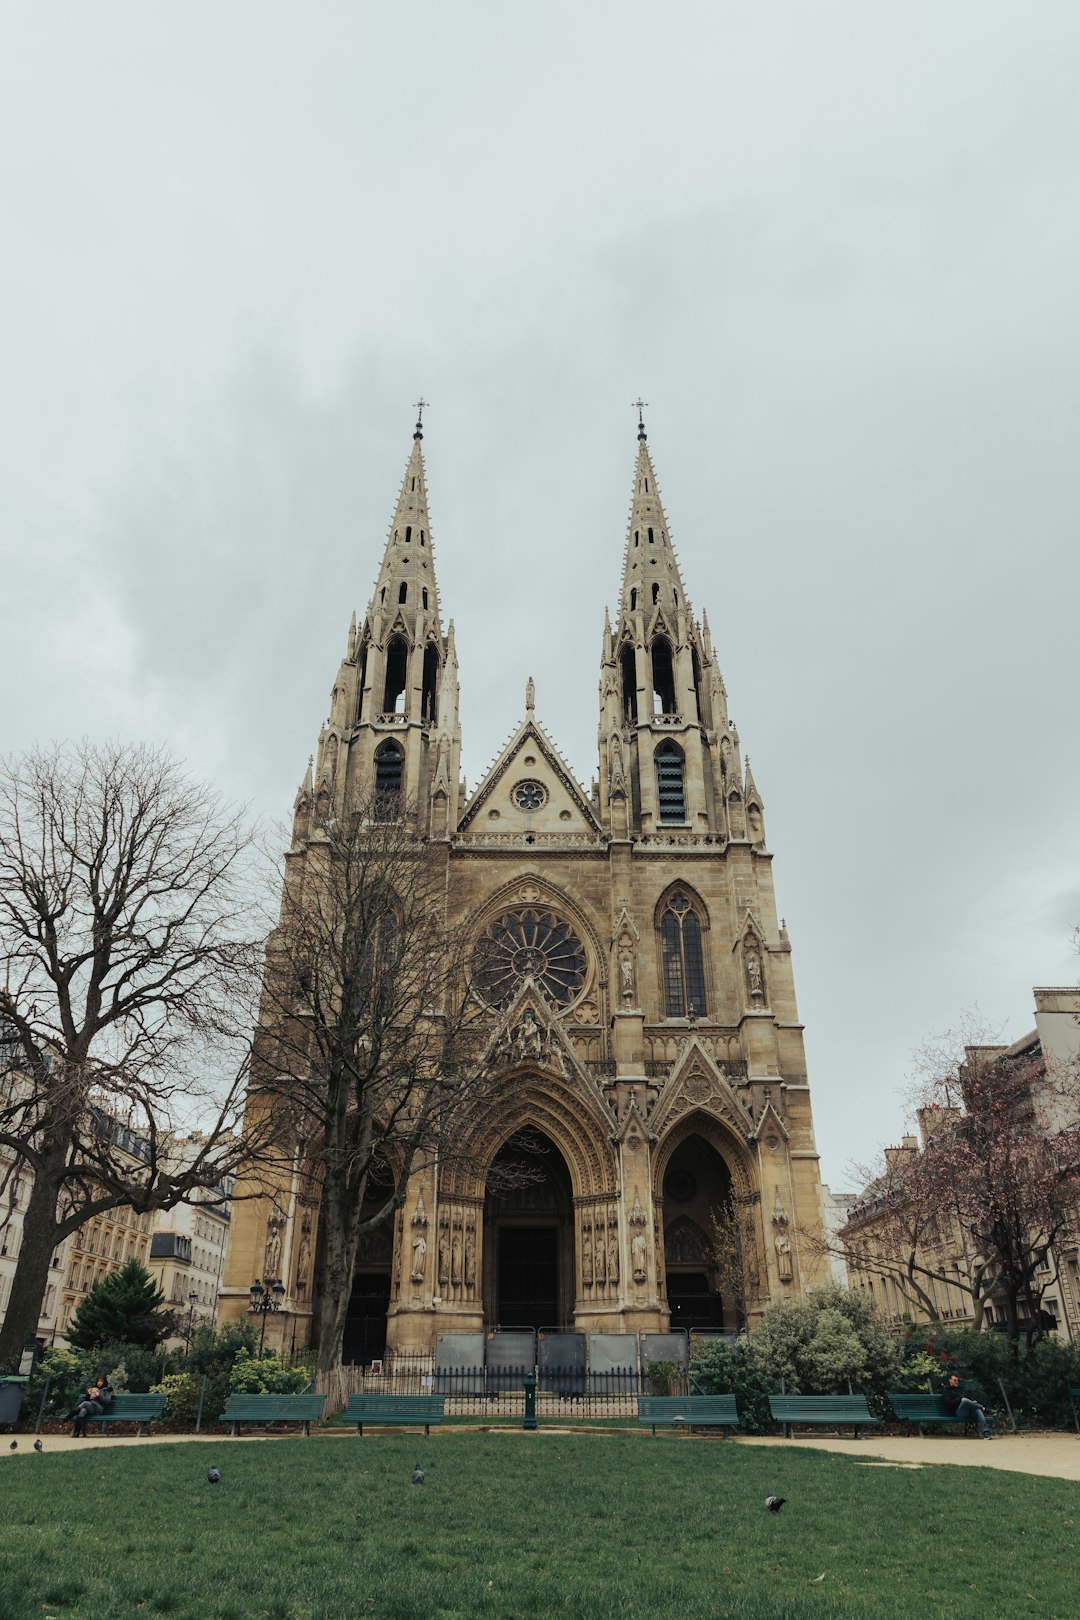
[[922, 1409], [399, 1411], [137, 1409], [689, 1411], [1074, 1397], [822, 1411], [305, 1409]]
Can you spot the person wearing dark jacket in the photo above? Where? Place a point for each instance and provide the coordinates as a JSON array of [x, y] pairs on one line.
[[965, 1407], [93, 1403]]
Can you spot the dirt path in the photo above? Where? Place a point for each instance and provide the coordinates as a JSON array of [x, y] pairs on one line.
[[1055, 1455]]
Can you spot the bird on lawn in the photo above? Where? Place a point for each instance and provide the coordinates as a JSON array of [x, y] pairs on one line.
[[38, 1446], [213, 1476], [418, 1475], [14, 1446], [775, 1503]]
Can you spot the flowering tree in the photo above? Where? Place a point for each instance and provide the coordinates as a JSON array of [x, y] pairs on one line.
[[995, 1184]]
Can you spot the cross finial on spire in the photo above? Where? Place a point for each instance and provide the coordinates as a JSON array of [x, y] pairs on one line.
[[421, 402], [639, 405]]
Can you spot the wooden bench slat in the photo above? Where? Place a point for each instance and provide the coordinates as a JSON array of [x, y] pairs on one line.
[[273, 1409], [821, 1410], [132, 1408], [922, 1409], [408, 1411], [701, 1411]]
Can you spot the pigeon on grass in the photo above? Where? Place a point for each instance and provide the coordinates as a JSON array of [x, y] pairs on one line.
[[213, 1476], [775, 1503], [38, 1446], [14, 1446], [418, 1475]]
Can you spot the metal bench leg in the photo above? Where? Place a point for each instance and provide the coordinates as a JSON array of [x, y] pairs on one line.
[[138, 1431], [427, 1431], [235, 1430]]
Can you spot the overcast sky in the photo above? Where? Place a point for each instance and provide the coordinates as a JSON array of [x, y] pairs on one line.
[[837, 248]]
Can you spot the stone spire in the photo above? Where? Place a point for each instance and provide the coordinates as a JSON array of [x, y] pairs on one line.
[[408, 568], [651, 579]]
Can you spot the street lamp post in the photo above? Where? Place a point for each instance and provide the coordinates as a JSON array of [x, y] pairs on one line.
[[265, 1297], [189, 1331]]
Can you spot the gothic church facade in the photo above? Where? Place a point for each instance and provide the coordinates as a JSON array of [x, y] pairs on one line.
[[640, 999]]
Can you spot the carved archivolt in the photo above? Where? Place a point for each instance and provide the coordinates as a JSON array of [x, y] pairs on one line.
[[744, 1183], [549, 1105]]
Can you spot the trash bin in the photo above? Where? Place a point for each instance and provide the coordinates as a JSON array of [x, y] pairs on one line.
[[11, 1394]]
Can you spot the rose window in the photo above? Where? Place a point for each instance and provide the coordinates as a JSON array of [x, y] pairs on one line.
[[529, 943], [530, 795]]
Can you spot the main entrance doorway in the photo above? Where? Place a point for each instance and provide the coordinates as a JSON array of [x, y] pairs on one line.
[[529, 1237]]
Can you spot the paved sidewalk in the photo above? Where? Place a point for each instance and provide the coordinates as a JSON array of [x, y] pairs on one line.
[[1054, 1455]]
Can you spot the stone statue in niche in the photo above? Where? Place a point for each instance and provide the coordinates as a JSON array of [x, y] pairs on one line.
[[586, 1259], [455, 1257], [639, 1257], [303, 1258], [781, 1242], [754, 973], [470, 1256], [613, 1258], [626, 977], [272, 1256], [419, 1257], [601, 1255], [528, 1042], [444, 1256]]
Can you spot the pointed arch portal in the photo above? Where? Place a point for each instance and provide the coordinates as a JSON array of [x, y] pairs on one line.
[[696, 1188], [529, 1236]]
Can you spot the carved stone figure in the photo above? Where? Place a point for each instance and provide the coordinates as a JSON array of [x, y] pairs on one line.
[[601, 1255], [753, 973], [444, 1257], [419, 1257], [626, 977], [783, 1255], [470, 1256], [272, 1257], [303, 1261], [639, 1257], [455, 1259], [613, 1258], [586, 1259]]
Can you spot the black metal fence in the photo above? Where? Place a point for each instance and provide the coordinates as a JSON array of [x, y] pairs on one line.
[[499, 1391]]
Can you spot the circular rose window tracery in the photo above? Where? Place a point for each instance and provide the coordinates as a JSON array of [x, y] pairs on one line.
[[530, 942]]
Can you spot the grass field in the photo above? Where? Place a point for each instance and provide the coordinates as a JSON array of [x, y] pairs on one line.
[[516, 1525]]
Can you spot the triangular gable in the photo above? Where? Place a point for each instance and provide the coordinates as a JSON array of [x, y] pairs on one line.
[[696, 1081], [528, 1036], [529, 758], [769, 1118]]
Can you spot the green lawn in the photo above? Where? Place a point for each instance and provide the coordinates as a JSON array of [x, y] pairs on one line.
[[517, 1525]]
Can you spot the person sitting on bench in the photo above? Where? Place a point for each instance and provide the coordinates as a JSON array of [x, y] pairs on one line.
[[965, 1407], [92, 1404]]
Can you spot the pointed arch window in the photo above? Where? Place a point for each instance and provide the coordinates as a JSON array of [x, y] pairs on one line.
[[397, 669], [670, 784], [682, 959], [628, 672], [408, 534], [389, 770], [430, 689], [633, 601], [403, 593], [655, 594], [663, 673]]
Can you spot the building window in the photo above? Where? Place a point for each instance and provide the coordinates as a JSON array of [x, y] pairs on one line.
[[670, 791], [389, 768], [682, 959]]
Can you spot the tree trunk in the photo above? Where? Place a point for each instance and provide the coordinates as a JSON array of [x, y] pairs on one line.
[[340, 1221], [39, 1239]]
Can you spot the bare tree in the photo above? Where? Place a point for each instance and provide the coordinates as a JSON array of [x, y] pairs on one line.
[[128, 981], [737, 1256], [370, 1033]]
